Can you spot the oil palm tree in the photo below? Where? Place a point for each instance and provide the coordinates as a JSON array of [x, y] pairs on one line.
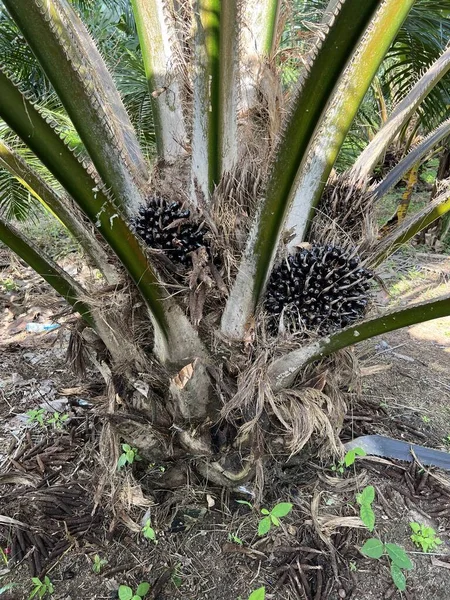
[[237, 265]]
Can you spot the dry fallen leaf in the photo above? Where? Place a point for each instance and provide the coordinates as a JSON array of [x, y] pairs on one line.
[[249, 335], [210, 500], [439, 563], [182, 378], [128, 522], [374, 369]]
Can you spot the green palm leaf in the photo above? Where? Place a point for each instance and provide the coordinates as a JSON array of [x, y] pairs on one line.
[[85, 87], [15, 201]]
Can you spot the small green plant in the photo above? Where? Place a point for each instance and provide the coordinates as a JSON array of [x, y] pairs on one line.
[[425, 419], [128, 456], [339, 468], [353, 567], [446, 440], [424, 537], [272, 517], [232, 537], [365, 499], [8, 285], [126, 593], [155, 467], [99, 563], [258, 594], [176, 576], [245, 503], [57, 420], [374, 548], [149, 532], [4, 555], [349, 460], [36, 415], [41, 588], [7, 587]]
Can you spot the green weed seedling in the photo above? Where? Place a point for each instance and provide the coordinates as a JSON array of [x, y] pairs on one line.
[[258, 594], [99, 563], [245, 503], [7, 587], [128, 456], [126, 593], [36, 416], [41, 588], [8, 285], [232, 537], [176, 576], [365, 499], [399, 560], [57, 420], [154, 467], [149, 532], [349, 460], [273, 516], [424, 537]]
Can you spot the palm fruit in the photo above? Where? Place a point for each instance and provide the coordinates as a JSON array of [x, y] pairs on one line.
[[169, 227], [323, 288]]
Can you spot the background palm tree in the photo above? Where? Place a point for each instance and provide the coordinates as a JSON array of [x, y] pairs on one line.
[[216, 316]]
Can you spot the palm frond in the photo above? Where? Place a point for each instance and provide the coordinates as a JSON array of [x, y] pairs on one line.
[[15, 201], [400, 117], [339, 75], [284, 370], [424, 35]]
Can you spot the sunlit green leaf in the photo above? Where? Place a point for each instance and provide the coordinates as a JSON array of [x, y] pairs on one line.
[[125, 592], [264, 526], [367, 496], [282, 509], [258, 594], [398, 577], [143, 589], [398, 556], [367, 516], [373, 548], [275, 520]]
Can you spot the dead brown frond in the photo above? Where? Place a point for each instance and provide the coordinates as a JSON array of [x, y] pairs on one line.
[[76, 351], [130, 493], [169, 181], [122, 328], [233, 204], [339, 485], [326, 524], [313, 410], [304, 413], [249, 401]]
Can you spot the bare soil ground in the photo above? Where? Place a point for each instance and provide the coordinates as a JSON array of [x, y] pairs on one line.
[[207, 543]]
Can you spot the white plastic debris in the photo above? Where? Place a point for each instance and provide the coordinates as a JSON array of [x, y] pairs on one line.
[[40, 327]]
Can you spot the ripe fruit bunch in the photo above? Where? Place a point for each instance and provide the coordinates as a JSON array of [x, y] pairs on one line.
[[169, 227], [323, 288]]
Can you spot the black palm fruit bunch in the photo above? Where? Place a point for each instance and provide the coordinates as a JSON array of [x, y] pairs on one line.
[[170, 227], [322, 288]]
